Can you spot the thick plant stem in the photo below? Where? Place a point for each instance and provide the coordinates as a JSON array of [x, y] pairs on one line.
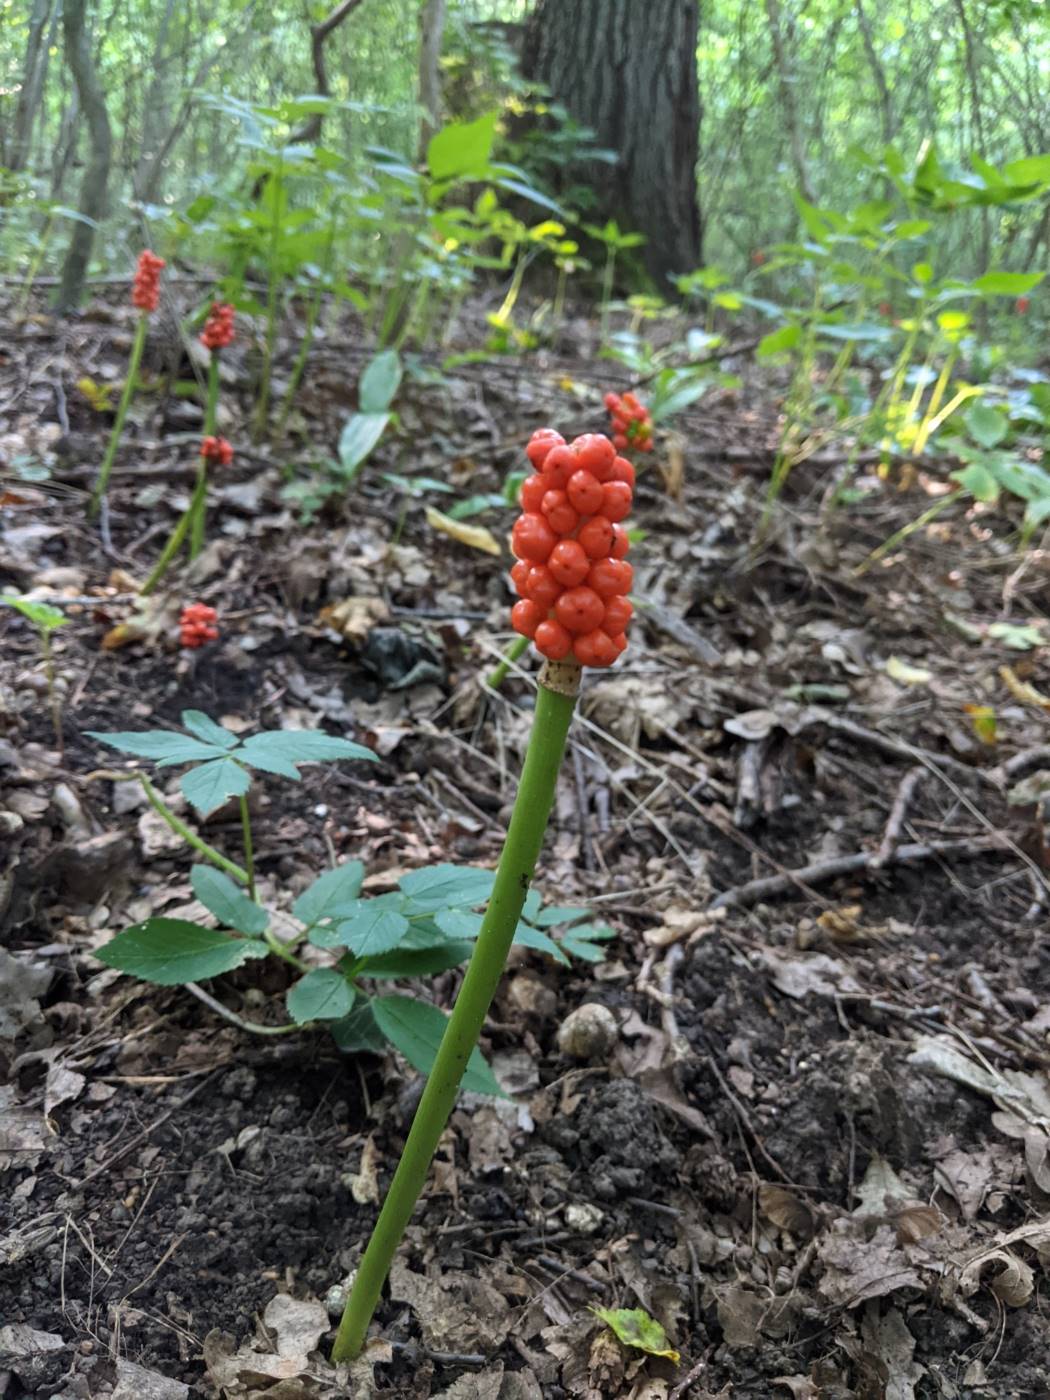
[[178, 535], [554, 706], [211, 413], [500, 671], [138, 345]]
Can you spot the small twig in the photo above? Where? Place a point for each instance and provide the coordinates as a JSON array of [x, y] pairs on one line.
[[892, 834], [555, 1266], [756, 890], [687, 1380]]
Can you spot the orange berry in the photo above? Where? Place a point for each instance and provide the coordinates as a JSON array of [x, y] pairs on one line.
[[620, 440], [532, 538], [594, 649], [579, 610], [594, 453], [585, 492], [610, 577], [560, 515], [596, 537], [525, 617], [558, 466], [519, 576], [568, 563], [621, 542], [623, 471], [632, 403], [618, 613], [611, 402], [532, 492], [616, 500], [542, 587], [540, 444], [619, 641], [552, 640]]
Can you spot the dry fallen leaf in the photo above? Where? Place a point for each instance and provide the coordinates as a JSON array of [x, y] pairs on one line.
[[354, 617], [364, 1185], [476, 536], [785, 1209]]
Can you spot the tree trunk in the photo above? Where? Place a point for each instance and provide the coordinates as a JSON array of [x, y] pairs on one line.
[[627, 69], [96, 176], [310, 131], [32, 89], [786, 82], [431, 29], [889, 125]]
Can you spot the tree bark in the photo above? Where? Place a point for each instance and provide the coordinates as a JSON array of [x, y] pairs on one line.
[[627, 69], [889, 125], [786, 83], [96, 176], [431, 29], [310, 131], [32, 88]]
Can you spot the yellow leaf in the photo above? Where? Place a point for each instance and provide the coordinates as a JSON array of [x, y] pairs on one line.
[[984, 724], [476, 536], [1023, 690], [99, 396], [635, 1328], [907, 674]]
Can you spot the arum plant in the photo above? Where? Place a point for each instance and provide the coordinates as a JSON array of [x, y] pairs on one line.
[[572, 579], [615, 241], [45, 619]]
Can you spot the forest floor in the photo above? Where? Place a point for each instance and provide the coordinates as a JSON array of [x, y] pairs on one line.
[[816, 1151]]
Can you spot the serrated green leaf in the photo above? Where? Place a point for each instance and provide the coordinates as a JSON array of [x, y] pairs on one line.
[[322, 994], [209, 785], [415, 1028], [448, 886], [786, 338], [979, 481], [358, 1032], [1007, 284], [205, 728], [163, 747], [635, 1328], [422, 962], [559, 914], [173, 951], [379, 382], [279, 750], [458, 923], [372, 931], [335, 887], [986, 425], [462, 148], [227, 901], [532, 905], [41, 615], [582, 949], [526, 937]]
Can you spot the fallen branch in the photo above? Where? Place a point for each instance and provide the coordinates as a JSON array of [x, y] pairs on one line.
[[755, 890], [892, 834]]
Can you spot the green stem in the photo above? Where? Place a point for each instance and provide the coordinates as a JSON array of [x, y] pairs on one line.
[[138, 345], [178, 825], [198, 505], [500, 671], [554, 706], [249, 850], [312, 316], [52, 693], [178, 535]]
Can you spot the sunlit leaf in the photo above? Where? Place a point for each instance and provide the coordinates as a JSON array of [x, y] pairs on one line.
[[475, 536], [635, 1328]]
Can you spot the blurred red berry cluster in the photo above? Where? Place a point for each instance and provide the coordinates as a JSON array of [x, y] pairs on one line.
[[632, 424], [572, 577], [145, 290], [218, 328], [197, 625], [216, 451]]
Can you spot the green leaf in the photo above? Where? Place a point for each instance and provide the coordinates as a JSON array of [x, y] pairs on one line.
[[173, 951], [358, 438], [1007, 284], [559, 914], [372, 930], [1019, 636], [227, 901], [416, 1028], [379, 383], [198, 723], [447, 886], [526, 937], [579, 942], [358, 1031], [164, 747], [1029, 170], [335, 887], [279, 750], [979, 481], [41, 615], [422, 962], [322, 994], [635, 1328], [786, 338], [208, 786], [986, 424], [462, 148], [458, 923]]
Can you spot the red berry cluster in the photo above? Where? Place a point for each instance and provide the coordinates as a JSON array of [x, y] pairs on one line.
[[145, 290], [197, 625], [631, 421], [572, 576], [216, 451], [218, 328]]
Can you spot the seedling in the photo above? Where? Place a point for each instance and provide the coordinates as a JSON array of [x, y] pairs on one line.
[[45, 619]]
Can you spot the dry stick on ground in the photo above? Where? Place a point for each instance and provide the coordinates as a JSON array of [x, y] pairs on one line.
[[770, 885], [891, 836]]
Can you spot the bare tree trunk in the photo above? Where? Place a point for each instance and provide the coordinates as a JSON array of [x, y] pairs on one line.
[[32, 90], [431, 30], [889, 125], [319, 33], [96, 176], [978, 120], [627, 69], [154, 108], [786, 82]]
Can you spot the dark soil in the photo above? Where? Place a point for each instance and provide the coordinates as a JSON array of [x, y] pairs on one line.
[[765, 1160]]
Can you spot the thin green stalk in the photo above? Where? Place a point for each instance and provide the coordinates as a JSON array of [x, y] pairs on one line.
[[177, 824], [899, 536], [249, 849], [52, 693], [554, 706], [199, 504], [607, 291], [137, 347], [501, 670], [280, 950], [929, 417], [312, 315], [178, 535]]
